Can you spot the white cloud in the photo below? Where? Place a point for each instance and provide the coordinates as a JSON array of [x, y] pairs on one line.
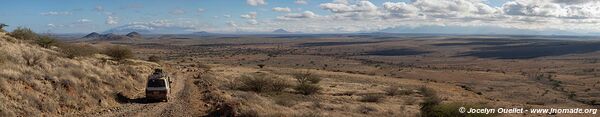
[[232, 24], [250, 15], [252, 22], [301, 2], [256, 2], [177, 11], [99, 8], [553, 8], [84, 20], [111, 20], [200, 10], [227, 16], [282, 9], [343, 6], [303, 15], [55, 13]]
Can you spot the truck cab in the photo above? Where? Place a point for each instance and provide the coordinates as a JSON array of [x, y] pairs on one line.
[[158, 86]]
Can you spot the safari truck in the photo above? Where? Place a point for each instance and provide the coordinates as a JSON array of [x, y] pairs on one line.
[[159, 86]]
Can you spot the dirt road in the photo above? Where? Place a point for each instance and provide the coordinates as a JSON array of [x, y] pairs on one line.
[[185, 100]]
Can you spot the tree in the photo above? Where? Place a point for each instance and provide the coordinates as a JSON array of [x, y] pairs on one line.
[[46, 41], [24, 34], [2, 25]]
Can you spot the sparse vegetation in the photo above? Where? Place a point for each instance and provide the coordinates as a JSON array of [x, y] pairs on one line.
[[46, 41], [431, 100], [31, 58], [307, 83], [77, 50], [307, 78], [24, 34], [372, 98], [392, 90], [365, 109], [262, 82], [307, 88], [118, 52], [154, 58]]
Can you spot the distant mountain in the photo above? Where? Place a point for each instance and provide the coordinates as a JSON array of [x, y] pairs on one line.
[[134, 35], [281, 31], [92, 35], [113, 37], [149, 29]]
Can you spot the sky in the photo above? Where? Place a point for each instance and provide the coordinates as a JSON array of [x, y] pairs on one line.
[[307, 16]]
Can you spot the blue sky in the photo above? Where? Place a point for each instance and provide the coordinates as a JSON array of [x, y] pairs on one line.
[[312, 16]]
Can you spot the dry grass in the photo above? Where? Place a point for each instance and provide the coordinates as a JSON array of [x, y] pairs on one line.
[[261, 82], [326, 103], [118, 53], [307, 88], [372, 98], [72, 50], [47, 84]]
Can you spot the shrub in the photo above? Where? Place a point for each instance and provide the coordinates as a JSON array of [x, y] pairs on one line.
[[307, 89], [118, 52], [366, 109], [77, 50], [31, 59], [154, 58], [392, 90], [307, 78], [23, 34], [262, 82], [372, 98], [307, 83], [46, 41]]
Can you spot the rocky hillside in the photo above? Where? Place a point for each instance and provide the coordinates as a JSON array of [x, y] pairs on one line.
[[36, 81]]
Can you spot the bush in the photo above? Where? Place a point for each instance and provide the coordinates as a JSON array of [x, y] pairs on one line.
[[31, 58], [392, 90], [118, 52], [430, 102], [366, 109], [262, 82], [23, 34], [372, 98], [307, 89], [77, 50], [307, 78], [46, 41], [307, 83], [154, 58]]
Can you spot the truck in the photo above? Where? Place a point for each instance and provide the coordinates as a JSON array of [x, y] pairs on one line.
[[158, 87]]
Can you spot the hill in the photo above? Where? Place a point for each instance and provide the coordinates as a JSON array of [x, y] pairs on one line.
[[36, 81], [281, 31], [132, 36]]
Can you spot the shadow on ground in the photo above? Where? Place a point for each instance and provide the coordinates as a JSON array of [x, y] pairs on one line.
[[535, 50], [124, 99]]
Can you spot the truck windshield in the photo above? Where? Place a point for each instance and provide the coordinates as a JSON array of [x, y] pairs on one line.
[[156, 83]]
